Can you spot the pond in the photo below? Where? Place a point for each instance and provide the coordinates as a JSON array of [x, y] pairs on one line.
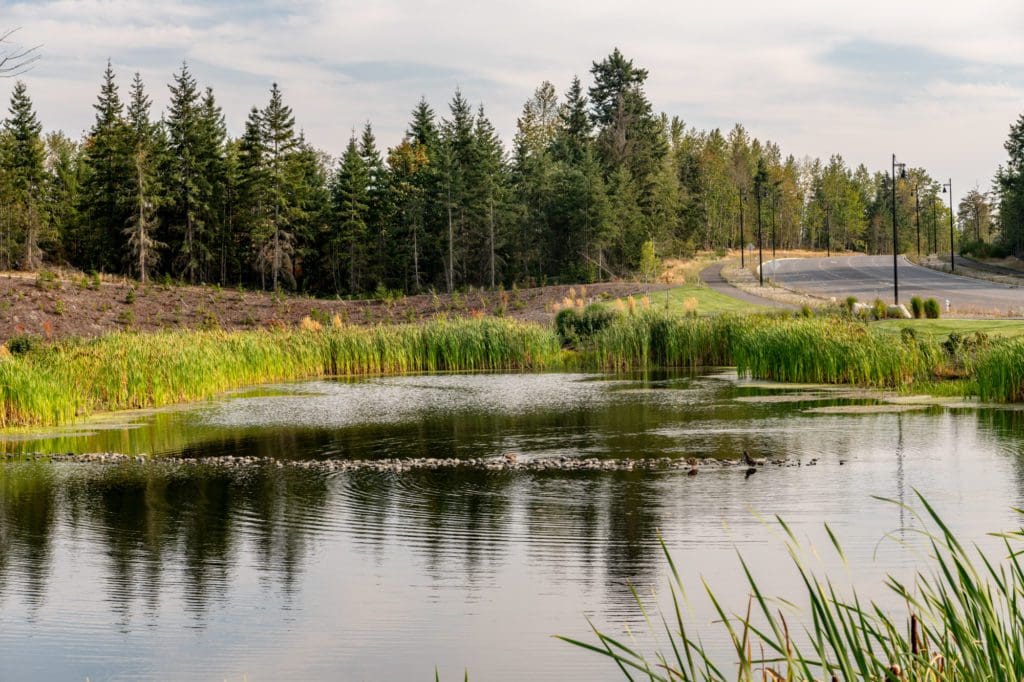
[[180, 571]]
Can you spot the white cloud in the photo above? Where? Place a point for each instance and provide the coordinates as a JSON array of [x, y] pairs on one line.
[[763, 64]]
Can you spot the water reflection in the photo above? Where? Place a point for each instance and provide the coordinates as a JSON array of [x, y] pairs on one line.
[[174, 570]]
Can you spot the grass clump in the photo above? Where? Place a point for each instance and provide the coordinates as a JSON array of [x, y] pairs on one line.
[[830, 351], [917, 307], [999, 372], [931, 309], [964, 622]]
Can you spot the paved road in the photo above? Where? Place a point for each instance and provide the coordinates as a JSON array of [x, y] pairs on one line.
[[712, 276], [868, 277]]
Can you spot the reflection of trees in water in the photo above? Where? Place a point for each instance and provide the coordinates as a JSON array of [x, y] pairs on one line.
[[1006, 427], [28, 514], [150, 518]]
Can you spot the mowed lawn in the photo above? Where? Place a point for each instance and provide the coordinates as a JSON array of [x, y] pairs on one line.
[[703, 299], [942, 328]]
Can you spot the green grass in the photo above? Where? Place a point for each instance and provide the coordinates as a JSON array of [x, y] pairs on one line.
[[964, 621], [59, 383], [708, 301], [941, 328], [999, 373]]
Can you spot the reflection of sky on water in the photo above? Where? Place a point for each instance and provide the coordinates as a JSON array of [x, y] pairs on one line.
[[170, 572]]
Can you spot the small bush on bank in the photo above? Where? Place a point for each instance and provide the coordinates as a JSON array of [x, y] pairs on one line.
[[879, 309], [917, 307], [931, 309]]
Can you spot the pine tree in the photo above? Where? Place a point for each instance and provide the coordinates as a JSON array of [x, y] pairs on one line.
[[628, 131], [143, 194], [350, 198], [212, 184], [252, 213], [1010, 186], [186, 208], [488, 196], [22, 162], [378, 207], [408, 164], [106, 172], [279, 145], [64, 168], [455, 162]]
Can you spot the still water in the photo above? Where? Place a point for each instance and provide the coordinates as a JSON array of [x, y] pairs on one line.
[[166, 571]]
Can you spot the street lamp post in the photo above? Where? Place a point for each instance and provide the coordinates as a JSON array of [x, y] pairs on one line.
[[952, 256], [895, 240], [917, 213], [828, 231], [760, 246], [935, 228], [743, 246]]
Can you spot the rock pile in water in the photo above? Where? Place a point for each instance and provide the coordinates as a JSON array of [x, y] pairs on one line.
[[504, 462]]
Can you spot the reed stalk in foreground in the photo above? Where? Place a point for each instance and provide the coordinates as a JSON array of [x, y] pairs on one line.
[[965, 623]]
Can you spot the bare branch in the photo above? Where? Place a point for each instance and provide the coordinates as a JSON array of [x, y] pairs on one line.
[[14, 59]]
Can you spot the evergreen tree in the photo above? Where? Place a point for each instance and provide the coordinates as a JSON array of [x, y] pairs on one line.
[[23, 164], [64, 167], [628, 131], [488, 196], [143, 193], [1010, 186], [211, 132], [378, 207], [280, 143], [187, 196], [351, 207], [106, 172]]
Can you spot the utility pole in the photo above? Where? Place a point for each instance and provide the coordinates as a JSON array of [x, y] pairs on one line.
[[895, 240], [743, 197], [828, 231], [952, 256], [935, 229], [917, 212]]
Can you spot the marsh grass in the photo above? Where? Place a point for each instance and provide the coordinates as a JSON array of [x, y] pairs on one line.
[[58, 383], [963, 621], [52, 384], [999, 372]]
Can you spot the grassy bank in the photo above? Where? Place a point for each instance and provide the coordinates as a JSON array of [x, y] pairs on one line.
[[57, 383]]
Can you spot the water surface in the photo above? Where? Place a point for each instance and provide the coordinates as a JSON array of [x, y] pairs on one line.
[[170, 571]]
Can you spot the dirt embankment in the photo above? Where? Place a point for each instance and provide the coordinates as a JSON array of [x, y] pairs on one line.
[[78, 306]]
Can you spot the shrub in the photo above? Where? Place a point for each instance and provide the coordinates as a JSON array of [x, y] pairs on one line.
[[47, 279], [931, 309], [879, 309], [805, 311], [129, 298], [917, 307], [850, 302], [983, 249], [574, 327], [21, 344]]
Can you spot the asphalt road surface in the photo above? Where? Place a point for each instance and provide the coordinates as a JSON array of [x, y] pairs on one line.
[[870, 277]]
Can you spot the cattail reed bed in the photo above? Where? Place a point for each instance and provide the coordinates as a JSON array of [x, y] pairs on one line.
[[57, 383], [52, 384]]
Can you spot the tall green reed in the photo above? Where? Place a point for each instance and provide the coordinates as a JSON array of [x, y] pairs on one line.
[[964, 621]]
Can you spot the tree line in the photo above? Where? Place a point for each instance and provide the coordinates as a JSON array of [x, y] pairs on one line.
[[591, 178]]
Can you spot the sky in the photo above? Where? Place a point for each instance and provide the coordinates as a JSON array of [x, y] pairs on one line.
[[937, 82]]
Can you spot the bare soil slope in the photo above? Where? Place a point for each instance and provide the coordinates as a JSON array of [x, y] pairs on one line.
[[77, 307]]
